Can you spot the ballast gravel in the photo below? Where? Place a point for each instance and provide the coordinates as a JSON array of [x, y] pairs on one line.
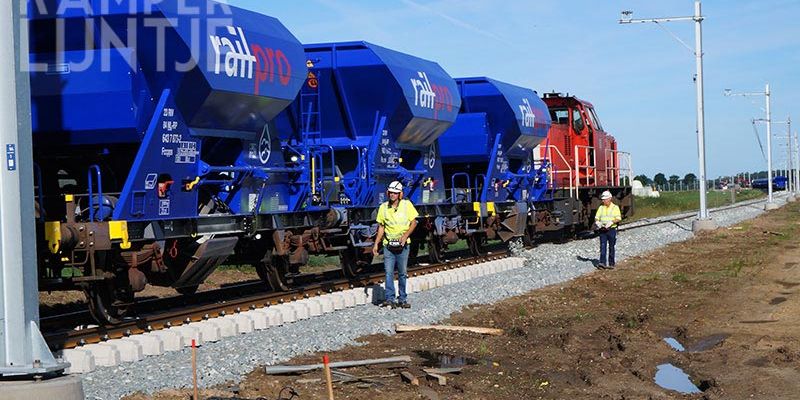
[[230, 359]]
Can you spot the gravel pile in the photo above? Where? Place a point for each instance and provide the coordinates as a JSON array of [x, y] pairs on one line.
[[231, 358]]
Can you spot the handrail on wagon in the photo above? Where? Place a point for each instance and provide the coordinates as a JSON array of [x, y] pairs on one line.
[[554, 172]]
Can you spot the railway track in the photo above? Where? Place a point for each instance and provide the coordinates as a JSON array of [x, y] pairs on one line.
[[679, 217], [175, 311], [162, 313]]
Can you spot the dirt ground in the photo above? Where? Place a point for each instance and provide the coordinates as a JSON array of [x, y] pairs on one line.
[[729, 297]]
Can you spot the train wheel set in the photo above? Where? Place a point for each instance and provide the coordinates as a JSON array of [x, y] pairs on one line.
[[234, 143]]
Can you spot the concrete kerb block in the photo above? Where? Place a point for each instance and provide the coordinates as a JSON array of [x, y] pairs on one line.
[[287, 313], [210, 332], [492, 267], [244, 324], [189, 333], [104, 354], [462, 275], [314, 307], [273, 317], [151, 345], [425, 283], [350, 298], [477, 270], [362, 297], [302, 310], [338, 300], [413, 285], [81, 361], [170, 340], [227, 327], [503, 265], [260, 320], [129, 350]]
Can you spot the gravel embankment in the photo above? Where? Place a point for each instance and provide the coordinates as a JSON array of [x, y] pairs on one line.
[[231, 358]]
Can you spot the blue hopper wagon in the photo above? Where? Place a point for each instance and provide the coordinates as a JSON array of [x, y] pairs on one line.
[[372, 115], [155, 156], [488, 156]]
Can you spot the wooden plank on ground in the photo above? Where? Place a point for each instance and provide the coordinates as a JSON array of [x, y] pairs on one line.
[[290, 369], [484, 331]]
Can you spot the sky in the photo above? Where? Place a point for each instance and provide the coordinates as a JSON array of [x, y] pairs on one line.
[[638, 76]]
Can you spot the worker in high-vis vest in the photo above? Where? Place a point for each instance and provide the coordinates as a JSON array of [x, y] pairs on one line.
[[605, 220], [396, 219]]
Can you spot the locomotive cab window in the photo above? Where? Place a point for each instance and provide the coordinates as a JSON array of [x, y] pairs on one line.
[[577, 121], [595, 120], [559, 116]]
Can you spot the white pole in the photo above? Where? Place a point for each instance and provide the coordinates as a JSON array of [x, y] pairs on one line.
[[23, 350], [789, 159], [769, 149], [797, 165], [701, 142], [703, 222]]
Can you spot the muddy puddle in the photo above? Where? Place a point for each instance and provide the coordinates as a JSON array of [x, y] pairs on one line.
[[671, 377], [702, 344]]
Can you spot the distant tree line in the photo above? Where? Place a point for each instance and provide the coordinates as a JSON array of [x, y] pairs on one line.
[[661, 180]]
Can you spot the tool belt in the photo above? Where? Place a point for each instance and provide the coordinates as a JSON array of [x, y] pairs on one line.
[[394, 246]]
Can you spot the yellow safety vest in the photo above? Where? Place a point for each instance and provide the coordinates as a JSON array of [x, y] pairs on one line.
[[396, 221], [608, 214]]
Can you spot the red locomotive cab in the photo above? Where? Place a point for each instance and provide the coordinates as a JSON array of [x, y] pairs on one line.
[[581, 152]]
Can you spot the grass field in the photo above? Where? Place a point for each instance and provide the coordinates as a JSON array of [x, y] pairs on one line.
[[675, 202]]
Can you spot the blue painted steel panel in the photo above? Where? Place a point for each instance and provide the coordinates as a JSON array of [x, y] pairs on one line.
[[228, 68], [359, 79], [490, 147], [517, 114], [248, 70], [91, 107]]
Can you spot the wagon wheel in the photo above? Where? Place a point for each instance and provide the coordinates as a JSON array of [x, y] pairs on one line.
[[272, 270], [108, 305], [354, 260], [435, 250], [477, 244]]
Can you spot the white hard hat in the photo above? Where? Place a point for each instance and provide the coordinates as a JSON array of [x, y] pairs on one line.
[[395, 187], [606, 195]]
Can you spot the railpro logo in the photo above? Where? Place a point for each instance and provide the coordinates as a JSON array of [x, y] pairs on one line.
[[528, 118], [240, 59], [425, 95]]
